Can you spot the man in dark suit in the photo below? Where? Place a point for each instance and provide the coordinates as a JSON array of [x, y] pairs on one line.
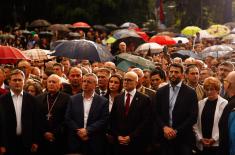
[[229, 86], [129, 118], [52, 107], [176, 111], [18, 118], [86, 117]]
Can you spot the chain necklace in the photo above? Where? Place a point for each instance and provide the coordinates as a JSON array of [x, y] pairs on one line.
[[49, 115]]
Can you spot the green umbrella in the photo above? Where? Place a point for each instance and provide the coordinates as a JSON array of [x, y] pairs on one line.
[[190, 30], [125, 60], [110, 40]]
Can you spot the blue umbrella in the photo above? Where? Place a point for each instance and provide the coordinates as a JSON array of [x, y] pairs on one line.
[[83, 49]]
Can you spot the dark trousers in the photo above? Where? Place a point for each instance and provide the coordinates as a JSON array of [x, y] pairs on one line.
[[209, 151], [175, 148], [17, 147]]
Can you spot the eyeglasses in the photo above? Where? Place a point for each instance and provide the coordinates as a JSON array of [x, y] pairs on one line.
[[209, 89]]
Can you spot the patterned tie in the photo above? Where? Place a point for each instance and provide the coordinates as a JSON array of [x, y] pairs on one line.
[[127, 106]]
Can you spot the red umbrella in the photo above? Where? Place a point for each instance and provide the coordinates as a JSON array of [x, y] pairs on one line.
[[81, 25], [10, 55], [163, 40]]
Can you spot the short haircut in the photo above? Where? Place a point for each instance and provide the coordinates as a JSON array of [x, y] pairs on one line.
[[60, 65], [138, 70], [93, 75], [209, 70], [76, 69], [57, 76], [227, 64], [159, 72], [16, 71], [212, 82], [178, 66], [104, 70], [190, 67]]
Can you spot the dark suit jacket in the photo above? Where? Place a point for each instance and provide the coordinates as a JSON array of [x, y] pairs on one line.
[[184, 114], [57, 123], [29, 119], [223, 127], [136, 124], [96, 124]]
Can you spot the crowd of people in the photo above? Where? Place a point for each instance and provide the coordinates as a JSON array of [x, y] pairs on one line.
[[182, 107]]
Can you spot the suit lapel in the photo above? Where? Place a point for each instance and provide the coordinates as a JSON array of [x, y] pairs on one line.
[[93, 108]]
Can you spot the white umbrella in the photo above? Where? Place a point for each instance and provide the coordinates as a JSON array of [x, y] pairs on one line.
[[182, 39], [205, 34], [217, 51], [152, 47]]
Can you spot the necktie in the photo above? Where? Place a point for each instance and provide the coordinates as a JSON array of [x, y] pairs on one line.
[[102, 93], [127, 106]]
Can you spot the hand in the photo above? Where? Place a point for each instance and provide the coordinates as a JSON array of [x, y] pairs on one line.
[[205, 142], [2, 150], [34, 148], [169, 133], [124, 140], [49, 136], [83, 134]]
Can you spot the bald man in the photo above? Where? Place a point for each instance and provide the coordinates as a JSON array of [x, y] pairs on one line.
[[129, 118], [52, 107], [225, 139]]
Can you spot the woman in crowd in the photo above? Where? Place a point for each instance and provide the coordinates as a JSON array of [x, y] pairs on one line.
[[114, 88], [33, 88], [210, 111]]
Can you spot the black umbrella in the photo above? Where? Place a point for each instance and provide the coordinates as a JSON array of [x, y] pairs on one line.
[[100, 28], [83, 49], [39, 23]]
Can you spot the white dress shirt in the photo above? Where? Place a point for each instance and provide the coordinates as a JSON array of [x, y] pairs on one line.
[[87, 106], [17, 101], [132, 94]]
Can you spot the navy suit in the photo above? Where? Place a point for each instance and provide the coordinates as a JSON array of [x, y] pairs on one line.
[[184, 116], [29, 118], [135, 124], [96, 125]]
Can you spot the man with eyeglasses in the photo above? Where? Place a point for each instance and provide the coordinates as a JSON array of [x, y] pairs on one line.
[[226, 124], [130, 118], [223, 70]]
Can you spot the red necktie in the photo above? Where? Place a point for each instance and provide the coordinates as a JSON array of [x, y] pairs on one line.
[[128, 98]]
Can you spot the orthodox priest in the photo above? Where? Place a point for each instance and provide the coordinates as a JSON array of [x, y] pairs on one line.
[[52, 106]]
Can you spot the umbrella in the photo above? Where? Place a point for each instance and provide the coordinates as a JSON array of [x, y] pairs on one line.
[[162, 40], [56, 43], [10, 54], [130, 37], [182, 39], [39, 23], [111, 26], [26, 32], [229, 37], [7, 36], [45, 34], [216, 51], [205, 34], [38, 54], [218, 30], [143, 35], [110, 40], [166, 33], [81, 25], [189, 54], [152, 47], [190, 30], [230, 25], [125, 60], [100, 28], [129, 25], [83, 49], [59, 27]]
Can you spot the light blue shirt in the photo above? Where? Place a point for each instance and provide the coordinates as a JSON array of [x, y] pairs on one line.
[[174, 91]]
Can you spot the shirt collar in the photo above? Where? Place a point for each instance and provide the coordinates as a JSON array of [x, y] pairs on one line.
[[91, 95], [3, 86], [132, 93], [13, 94], [178, 85]]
